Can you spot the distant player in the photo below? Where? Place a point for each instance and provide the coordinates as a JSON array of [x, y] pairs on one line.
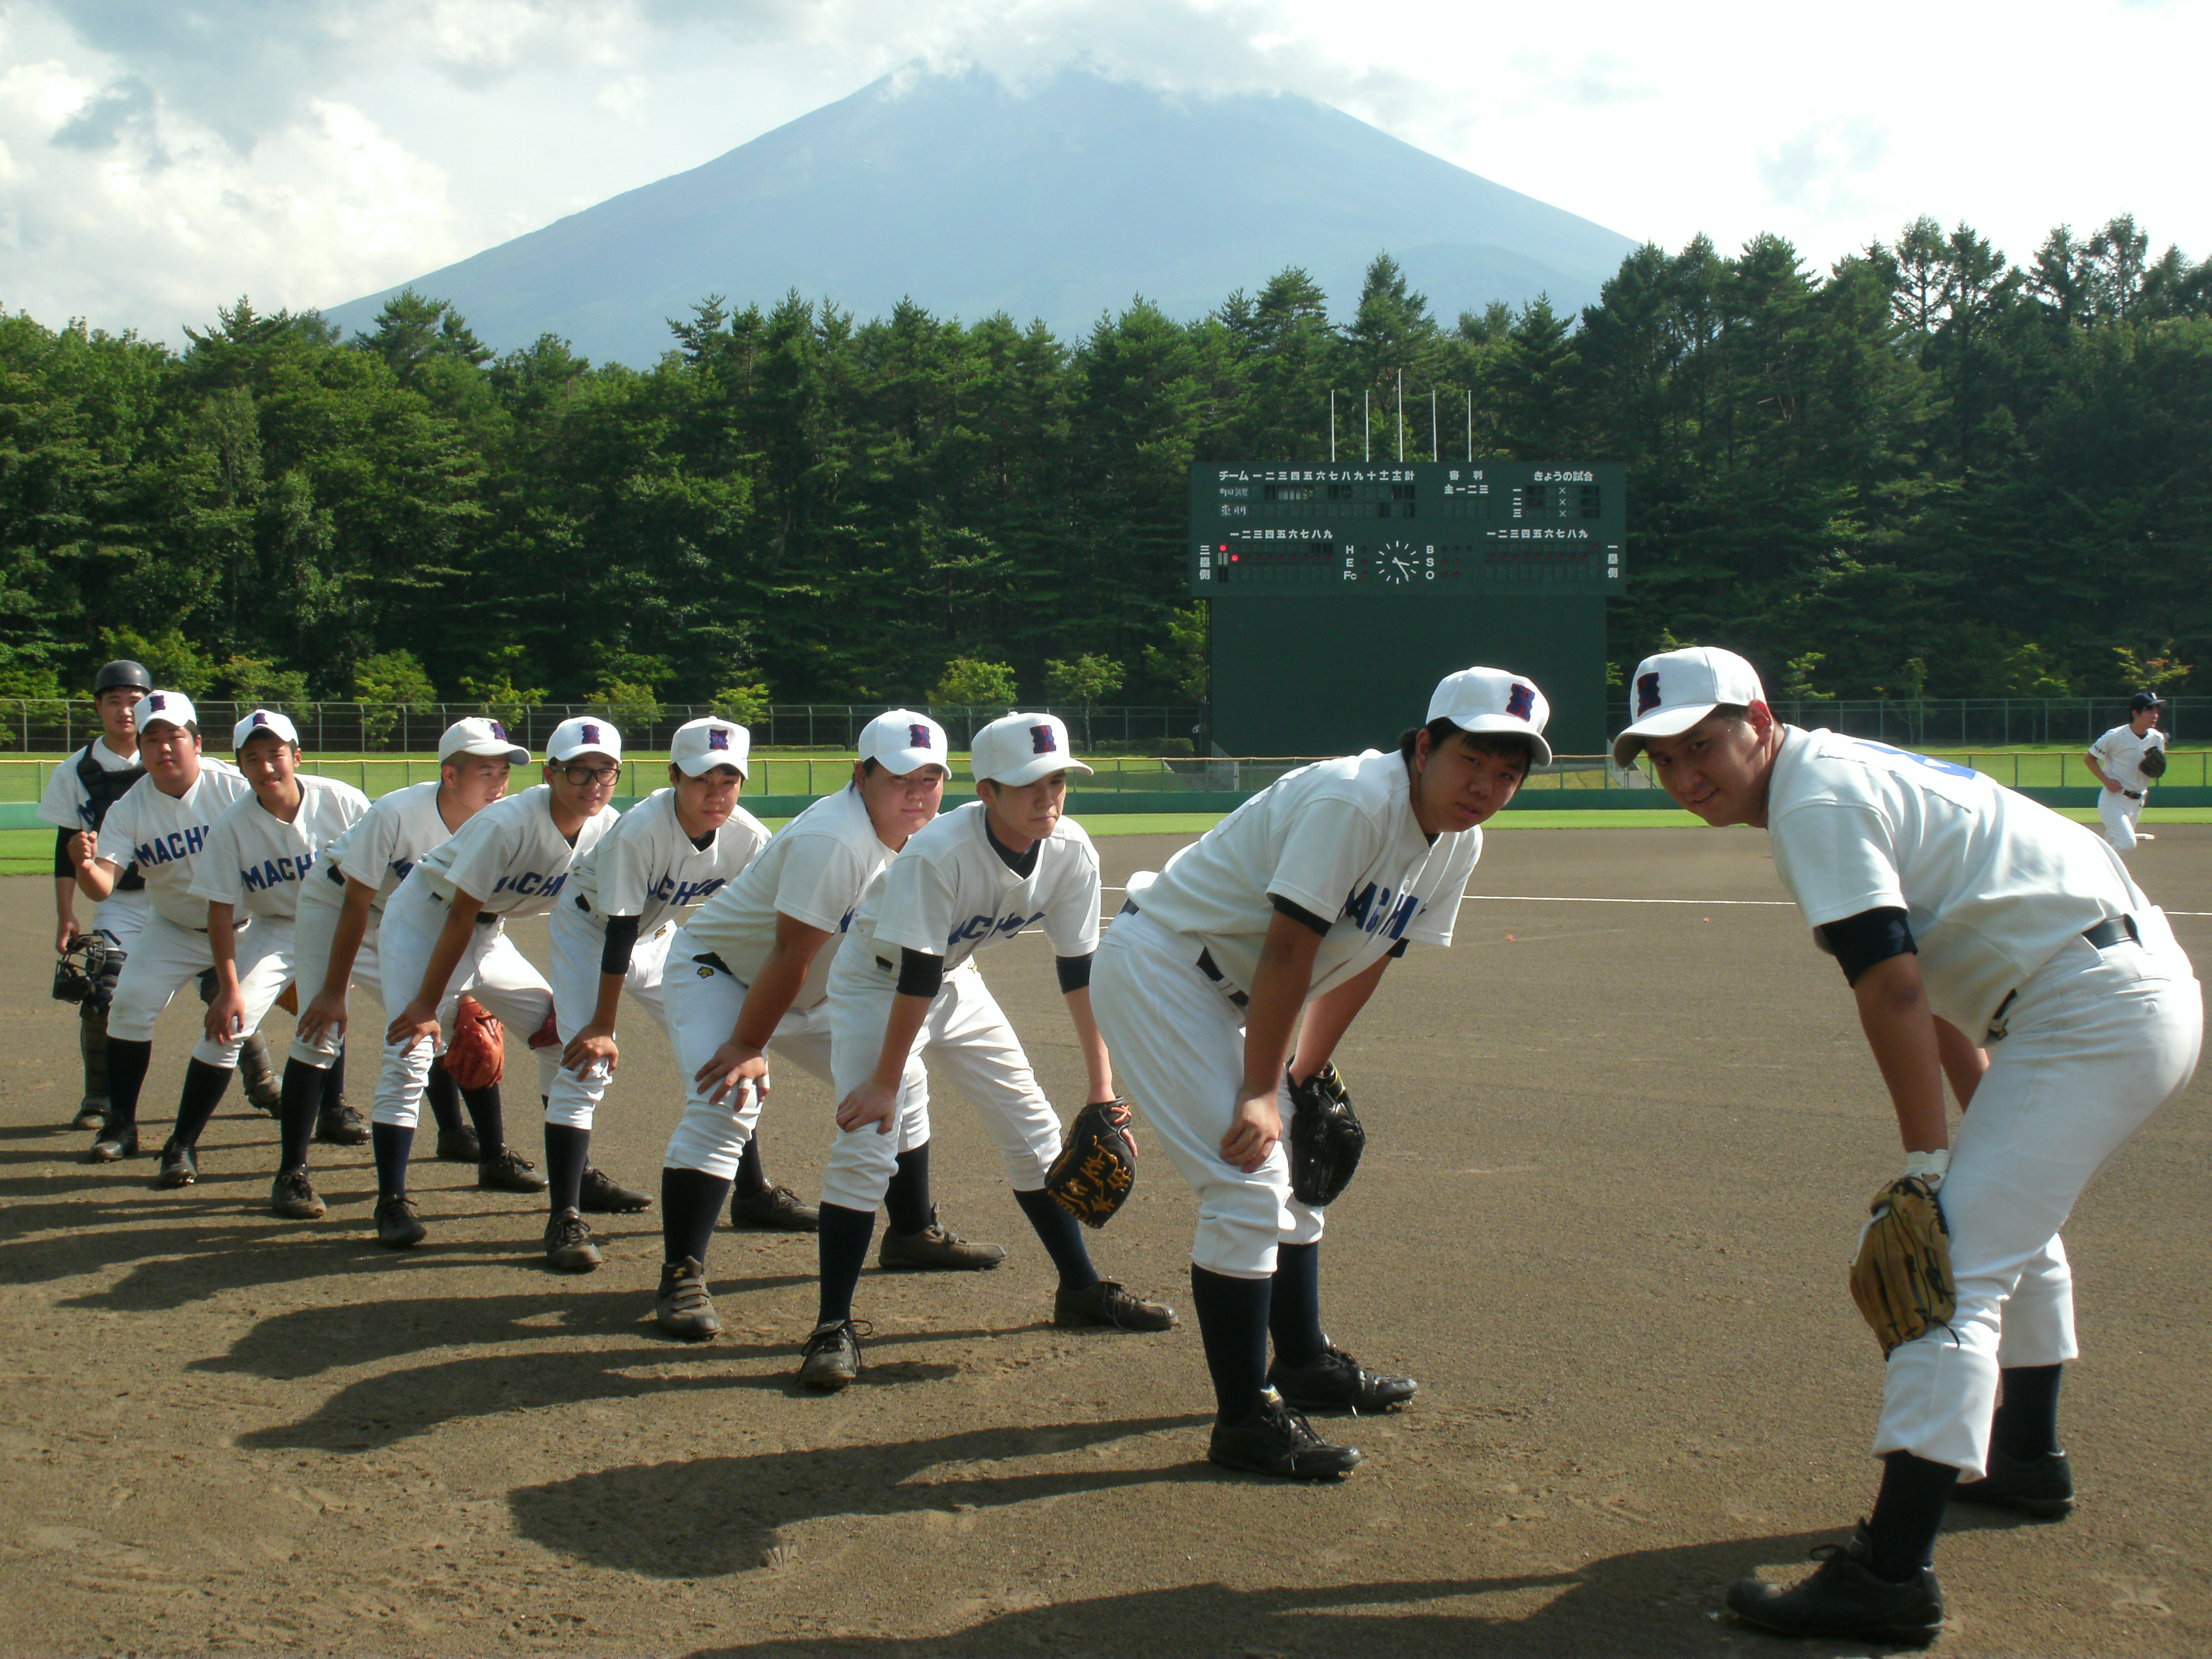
[[611, 932], [1283, 918], [444, 932], [335, 935], [750, 971], [161, 825], [1989, 941], [259, 858], [906, 991], [2117, 761]]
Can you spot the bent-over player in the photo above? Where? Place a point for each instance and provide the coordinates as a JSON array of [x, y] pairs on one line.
[[753, 973], [906, 990], [444, 932], [1284, 916], [1988, 940], [610, 933], [2122, 761]]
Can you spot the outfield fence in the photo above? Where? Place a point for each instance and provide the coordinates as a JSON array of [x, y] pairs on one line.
[[1982, 722]]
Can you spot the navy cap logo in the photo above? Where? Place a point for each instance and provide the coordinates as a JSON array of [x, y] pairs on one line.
[[718, 739], [1647, 693], [261, 719], [1043, 740], [157, 701], [591, 733], [497, 730], [917, 736], [1521, 702]]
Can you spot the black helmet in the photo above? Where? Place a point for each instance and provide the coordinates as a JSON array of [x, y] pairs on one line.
[[121, 672]]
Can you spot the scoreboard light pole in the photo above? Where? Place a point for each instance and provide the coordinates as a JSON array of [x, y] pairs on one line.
[[1402, 414], [1331, 425]]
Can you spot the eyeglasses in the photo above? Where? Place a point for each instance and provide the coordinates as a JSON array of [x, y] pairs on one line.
[[582, 776]]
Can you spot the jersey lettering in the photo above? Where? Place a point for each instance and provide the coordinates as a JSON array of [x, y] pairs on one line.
[[177, 844], [1947, 767], [530, 882], [275, 872], [678, 895], [1371, 909], [984, 926]]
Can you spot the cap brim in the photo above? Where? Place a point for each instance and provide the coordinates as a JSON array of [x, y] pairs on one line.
[[1667, 723], [574, 749], [708, 762], [1043, 767], [900, 763], [513, 753], [1506, 725]]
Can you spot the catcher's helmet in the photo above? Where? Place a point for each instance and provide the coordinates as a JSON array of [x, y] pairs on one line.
[[122, 672]]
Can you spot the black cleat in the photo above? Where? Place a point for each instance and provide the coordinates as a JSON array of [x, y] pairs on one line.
[[831, 1357], [602, 1194], [180, 1167], [1844, 1600], [91, 1114], [1106, 1304], [683, 1308], [2042, 1486], [113, 1145], [292, 1195], [569, 1246], [1338, 1383], [1275, 1438], [341, 1125], [398, 1224], [773, 1210], [507, 1171], [936, 1250], [458, 1146]]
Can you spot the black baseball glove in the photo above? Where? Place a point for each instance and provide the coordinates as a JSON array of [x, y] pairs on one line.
[[1097, 1165], [2153, 763], [1326, 1138]]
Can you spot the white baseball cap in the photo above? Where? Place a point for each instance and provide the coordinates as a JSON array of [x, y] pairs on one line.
[[587, 734], [700, 746], [479, 736], [899, 740], [1021, 748], [166, 707], [1492, 700], [1675, 690], [264, 720]]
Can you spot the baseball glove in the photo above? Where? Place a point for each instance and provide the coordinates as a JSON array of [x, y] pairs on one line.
[[476, 1057], [1097, 1165], [1326, 1138], [1901, 1278], [2153, 763]]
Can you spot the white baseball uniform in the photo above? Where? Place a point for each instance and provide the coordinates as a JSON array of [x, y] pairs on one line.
[[2085, 1042], [67, 806], [167, 834], [377, 852], [1338, 841], [2120, 752], [259, 865], [646, 866], [814, 871], [512, 857], [950, 894]]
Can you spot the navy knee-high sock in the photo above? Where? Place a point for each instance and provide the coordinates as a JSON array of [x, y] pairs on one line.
[[334, 1079], [1062, 1235], [301, 1097], [907, 1204], [1908, 1514], [490, 1122], [1294, 1306], [2026, 1425], [690, 1203], [444, 1100], [391, 1143], [752, 1177], [126, 1075], [568, 1149], [843, 1246], [203, 1092], [1232, 1322]]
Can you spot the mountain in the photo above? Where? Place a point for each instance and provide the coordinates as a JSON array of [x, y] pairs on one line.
[[1062, 203]]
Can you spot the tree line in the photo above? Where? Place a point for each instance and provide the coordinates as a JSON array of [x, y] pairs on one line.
[[1928, 471]]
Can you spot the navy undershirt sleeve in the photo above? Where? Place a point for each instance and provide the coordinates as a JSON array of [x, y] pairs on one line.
[[1298, 913], [1074, 973], [621, 939], [64, 870], [920, 975], [1399, 949], [1862, 941]]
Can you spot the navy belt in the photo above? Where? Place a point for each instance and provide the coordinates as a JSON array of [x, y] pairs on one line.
[[1206, 964], [713, 959], [2132, 795], [2112, 930], [332, 871]]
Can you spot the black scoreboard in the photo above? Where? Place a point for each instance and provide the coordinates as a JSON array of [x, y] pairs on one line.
[[1446, 565]]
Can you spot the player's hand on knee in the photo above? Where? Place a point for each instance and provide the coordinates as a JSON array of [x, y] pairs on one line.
[[872, 1102], [415, 1024], [594, 1043], [1254, 1132], [733, 1066], [225, 1017], [326, 1013]]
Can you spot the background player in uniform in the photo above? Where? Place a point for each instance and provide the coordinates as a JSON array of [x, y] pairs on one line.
[[907, 990], [77, 797], [2116, 761], [1295, 903], [611, 932], [1962, 914], [258, 858], [444, 932], [161, 825], [335, 934], [752, 972]]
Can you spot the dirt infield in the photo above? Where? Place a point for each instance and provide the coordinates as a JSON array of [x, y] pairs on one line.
[[1619, 1154]]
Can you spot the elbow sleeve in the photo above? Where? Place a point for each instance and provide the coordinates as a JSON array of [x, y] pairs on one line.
[[1862, 941], [1074, 973], [64, 869], [621, 939], [920, 975]]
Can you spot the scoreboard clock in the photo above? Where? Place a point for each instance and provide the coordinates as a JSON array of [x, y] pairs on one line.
[[1432, 528]]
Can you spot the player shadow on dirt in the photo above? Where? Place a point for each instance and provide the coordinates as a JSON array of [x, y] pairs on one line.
[[707, 1517]]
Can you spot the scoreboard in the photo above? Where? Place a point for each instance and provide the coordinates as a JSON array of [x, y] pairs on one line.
[[1429, 527]]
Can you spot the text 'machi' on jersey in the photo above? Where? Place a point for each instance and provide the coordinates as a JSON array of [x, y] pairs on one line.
[[950, 894], [1992, 883], [257, 862], [165, 835], [1337, 839], [646, 866], [511, 856]]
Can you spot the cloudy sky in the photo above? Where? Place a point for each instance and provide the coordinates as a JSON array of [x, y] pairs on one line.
[[160, 157]]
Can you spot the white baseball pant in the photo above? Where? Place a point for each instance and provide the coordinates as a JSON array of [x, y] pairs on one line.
[[2118, 815], [702, 1003], [1178, 1048], [2095, 1042], [122, 917], [165, 958], [313, 930], [967, 1038], [577, 945], [490, 970]]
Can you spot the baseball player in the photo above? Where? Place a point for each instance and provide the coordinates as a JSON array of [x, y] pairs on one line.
[[612, 932], [444, 932], [1286, 915], [161, 825], [335, 935], [1989, 941], [2116, 761], [754, 972], [259, 858], [906, 990]]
